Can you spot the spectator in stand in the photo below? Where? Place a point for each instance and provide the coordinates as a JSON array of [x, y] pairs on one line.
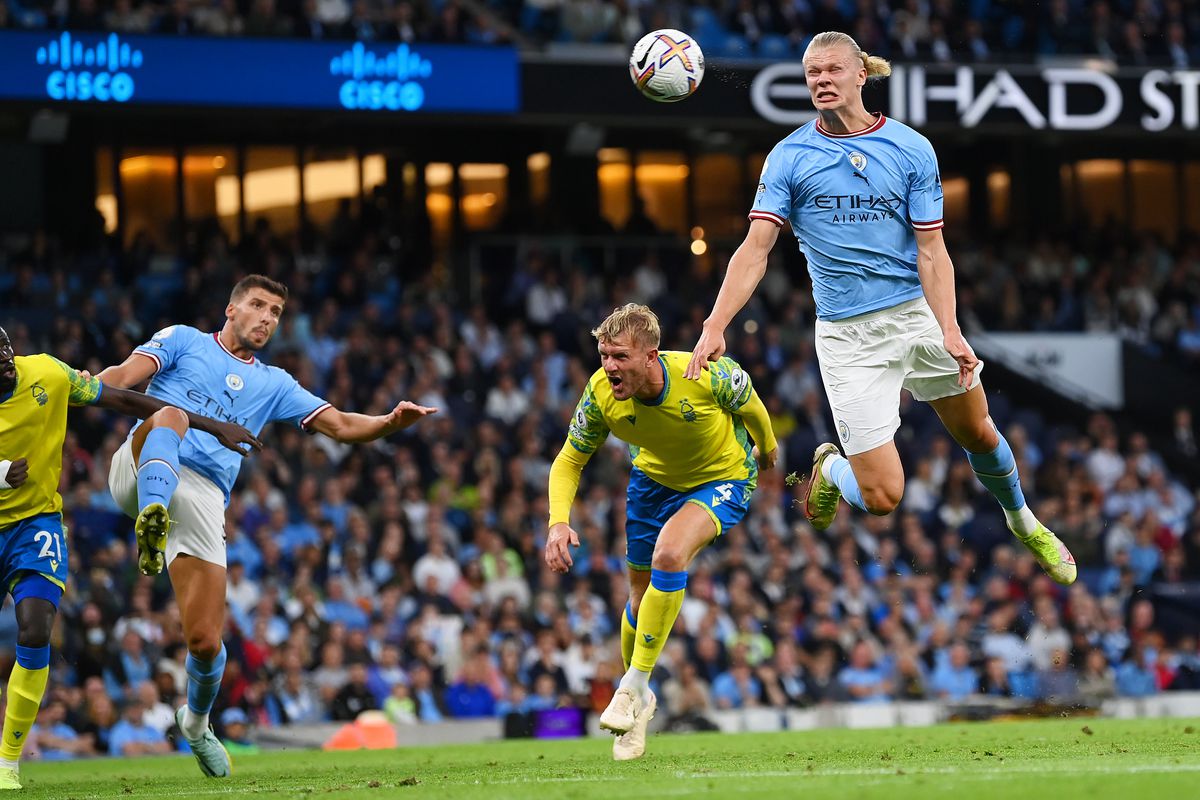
[[133, 737]]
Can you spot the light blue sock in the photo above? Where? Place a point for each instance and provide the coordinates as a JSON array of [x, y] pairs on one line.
[[158, 467], [204, 682], [997, 471], [843, 477]]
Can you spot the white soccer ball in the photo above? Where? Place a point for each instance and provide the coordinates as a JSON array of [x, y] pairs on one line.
[[666, 65]]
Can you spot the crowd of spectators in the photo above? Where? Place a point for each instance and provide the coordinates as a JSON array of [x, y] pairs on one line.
[[1103, 282], [406, 576], [1129, 31]]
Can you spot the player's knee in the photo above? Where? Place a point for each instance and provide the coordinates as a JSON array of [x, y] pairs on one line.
[[170, 417], [669, 557], [34, 631], [883, 499], [204, 644]]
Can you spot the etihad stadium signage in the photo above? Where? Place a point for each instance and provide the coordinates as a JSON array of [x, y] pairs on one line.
[[1049, 98]]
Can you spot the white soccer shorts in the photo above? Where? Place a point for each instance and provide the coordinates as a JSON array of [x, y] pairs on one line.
[[197, 509], [866, 361]]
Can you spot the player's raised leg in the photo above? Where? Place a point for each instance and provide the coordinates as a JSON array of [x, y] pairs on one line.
[[156, 449], [872, 481], [200, 592], [36, 599], [966, 418], [686, 532]]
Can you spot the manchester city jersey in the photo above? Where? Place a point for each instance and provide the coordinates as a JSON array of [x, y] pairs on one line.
[[689, 435], [198, 374], [855, 201]]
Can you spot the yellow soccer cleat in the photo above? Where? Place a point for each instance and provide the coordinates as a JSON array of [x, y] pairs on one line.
[[820, 499], [151, 527], [632, 743], [1051, 554], [9, 778], [621, 713]]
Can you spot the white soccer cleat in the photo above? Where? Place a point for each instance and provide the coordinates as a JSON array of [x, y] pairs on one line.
[[210, 754], [622, 711], [632, 743]]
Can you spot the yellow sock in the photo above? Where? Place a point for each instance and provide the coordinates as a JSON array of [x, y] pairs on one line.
[[628, 635], [25, 690], [656, 616]]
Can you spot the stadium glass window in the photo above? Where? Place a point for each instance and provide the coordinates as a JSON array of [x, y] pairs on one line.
[[1191, 183], [1100, 191], [1155, 197], [439, 202], [484, 195], [331, 176], [720, 205], [210, 188], [272, 187], [150, 198], [999, 187], [662, 184], [615, 176], [956, 191], [106, 194]]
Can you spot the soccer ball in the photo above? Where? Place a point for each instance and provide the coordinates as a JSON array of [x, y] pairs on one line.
[[666, 65]]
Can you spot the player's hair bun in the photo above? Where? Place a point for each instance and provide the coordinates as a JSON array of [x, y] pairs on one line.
[[876, 66]]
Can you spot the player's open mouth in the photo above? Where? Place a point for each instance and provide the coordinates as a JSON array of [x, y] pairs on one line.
[[827, 95], [615, 380]]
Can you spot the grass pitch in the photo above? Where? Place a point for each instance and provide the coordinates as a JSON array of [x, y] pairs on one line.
[[1056, 760]]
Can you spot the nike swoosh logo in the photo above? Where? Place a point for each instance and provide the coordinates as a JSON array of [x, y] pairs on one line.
[[645, 58]]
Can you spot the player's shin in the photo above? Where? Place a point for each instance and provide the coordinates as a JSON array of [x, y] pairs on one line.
[[26, 686], [628, 634], [158, 467], [997, 471], [204, 682], [837, 471], [656, 616]]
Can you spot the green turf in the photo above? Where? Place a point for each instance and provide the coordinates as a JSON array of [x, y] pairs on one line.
[[1057, 760]]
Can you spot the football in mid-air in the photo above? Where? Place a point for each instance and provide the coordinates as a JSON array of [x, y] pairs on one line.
[[666, 65]]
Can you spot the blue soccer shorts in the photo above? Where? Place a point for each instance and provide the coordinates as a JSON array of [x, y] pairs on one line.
[[649, 505], [35, 545]]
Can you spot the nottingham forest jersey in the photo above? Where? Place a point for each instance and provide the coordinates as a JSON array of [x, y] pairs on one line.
[[33, 424], [689, 435]]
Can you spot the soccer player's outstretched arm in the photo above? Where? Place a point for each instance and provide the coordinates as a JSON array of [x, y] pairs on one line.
[[87, 390], [352, 428], [746, 269], [587, 432]]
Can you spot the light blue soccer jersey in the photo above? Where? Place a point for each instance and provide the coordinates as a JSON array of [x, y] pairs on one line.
[[196, 373], [854, 201]]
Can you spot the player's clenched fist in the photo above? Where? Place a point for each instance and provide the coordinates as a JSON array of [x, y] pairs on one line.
[[559, 542]]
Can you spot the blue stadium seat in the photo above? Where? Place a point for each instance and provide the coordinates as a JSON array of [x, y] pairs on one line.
[[734, 46], [775, 46]]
